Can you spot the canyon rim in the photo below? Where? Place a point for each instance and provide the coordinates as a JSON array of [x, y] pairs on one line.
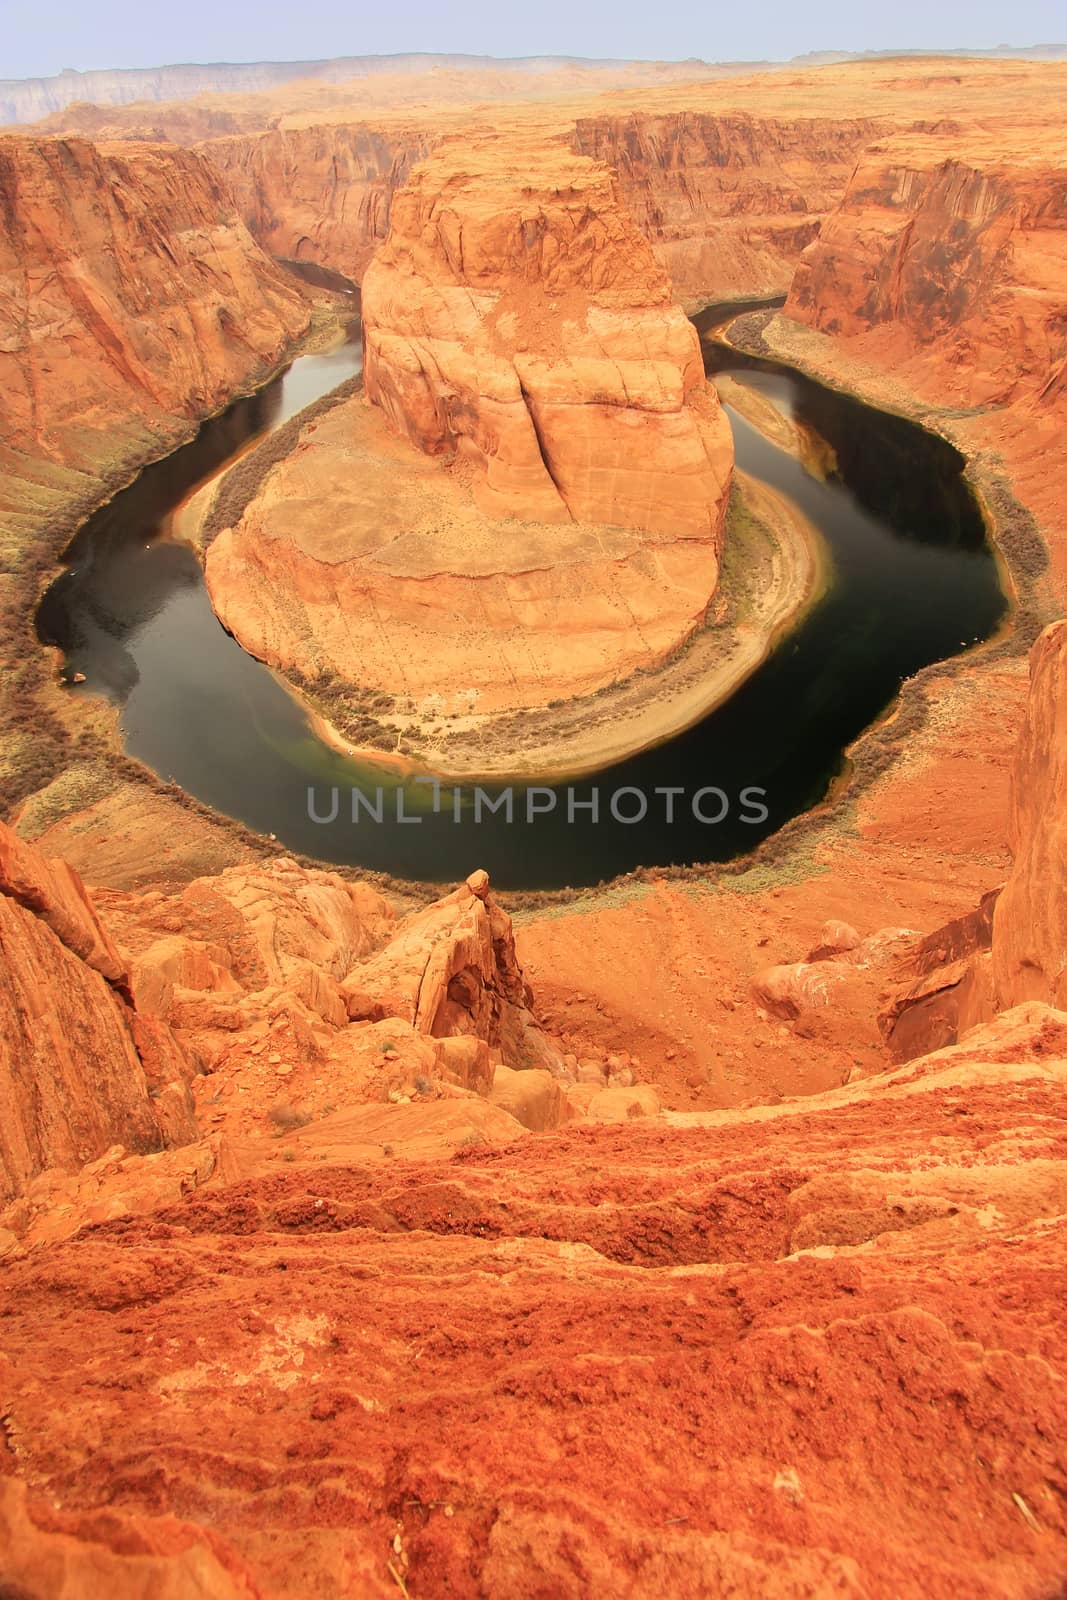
[[376, 1231]]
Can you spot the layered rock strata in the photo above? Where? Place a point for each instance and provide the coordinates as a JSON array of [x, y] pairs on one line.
[[516, 316], [1013, 946], [550, 517], [319, 193], [727, 200], [81, 1068], [486, 1355], [1030, 921], [945, 266], [949, 253], [133, 302]]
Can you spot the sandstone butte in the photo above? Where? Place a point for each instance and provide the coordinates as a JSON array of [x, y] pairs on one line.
[[517, 326], [698, 1239]]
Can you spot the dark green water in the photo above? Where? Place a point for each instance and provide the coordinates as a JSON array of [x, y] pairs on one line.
[[913, 581]]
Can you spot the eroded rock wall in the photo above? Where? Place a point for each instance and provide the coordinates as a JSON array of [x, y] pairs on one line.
[[319, 193], [133, 302], [951, 252], [728, 201], [80, 1071], [1030, 922]]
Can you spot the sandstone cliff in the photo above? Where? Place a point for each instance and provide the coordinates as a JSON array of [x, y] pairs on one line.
[[80, 1068], [133, 303], [516, 315], [945, 266], [950, 252], [319, 193], [1013, 946], [727, 200], [1030, 921]]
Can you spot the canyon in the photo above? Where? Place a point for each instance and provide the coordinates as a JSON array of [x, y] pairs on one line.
[[701, 1233], [945, 266]]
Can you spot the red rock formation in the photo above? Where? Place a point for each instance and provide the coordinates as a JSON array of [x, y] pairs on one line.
[[767, 1355], [359, 553], [946, 266], [1030, 921], [77, 1064], [954, 250], [133, 302], [1013, 947], [320, 193], [943, 987], [517, 315], [727, 200], [48, 1551], [519, 334]]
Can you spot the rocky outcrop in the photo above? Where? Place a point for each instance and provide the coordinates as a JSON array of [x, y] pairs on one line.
[[727, 200], [1030, 922], [561, 473], [49, 1551], [359, 553], [320, 193], [1013, 947], [516, 316], [945, 267], [133, 302], [943, 987], [80, 1069], [486, 1353], [951, 254]]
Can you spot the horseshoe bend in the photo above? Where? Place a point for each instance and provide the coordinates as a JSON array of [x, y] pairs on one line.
[[533, 1178]]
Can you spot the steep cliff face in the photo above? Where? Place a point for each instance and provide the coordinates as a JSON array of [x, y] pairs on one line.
[[132, 299], [942, 280], [80, 1070], [728, 201], [1030, 922], [319, 193], [950, 254], [1013, 946], [516, 315]]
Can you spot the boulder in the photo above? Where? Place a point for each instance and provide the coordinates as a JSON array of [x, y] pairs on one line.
[[623, 1105], [534, 1098]]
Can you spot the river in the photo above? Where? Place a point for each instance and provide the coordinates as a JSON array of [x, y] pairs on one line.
[[913, 580]]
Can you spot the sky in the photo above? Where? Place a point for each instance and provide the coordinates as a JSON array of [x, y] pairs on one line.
[[41, 37]]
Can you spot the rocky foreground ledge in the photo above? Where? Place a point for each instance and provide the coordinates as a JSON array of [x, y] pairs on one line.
[[326, 1268]]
